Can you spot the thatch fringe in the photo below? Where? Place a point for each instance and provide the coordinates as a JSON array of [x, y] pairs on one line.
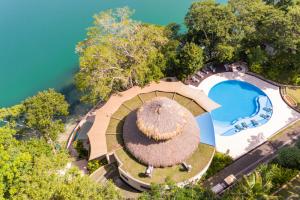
[[161, 153]]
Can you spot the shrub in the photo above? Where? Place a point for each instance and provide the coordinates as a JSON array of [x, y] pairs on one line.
[[220, 161], [82, 152], [256, 68], [276, 174], [289, 157], [298, 144], [93, 165]]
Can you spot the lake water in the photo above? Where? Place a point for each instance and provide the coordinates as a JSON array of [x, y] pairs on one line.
[[38, 37]]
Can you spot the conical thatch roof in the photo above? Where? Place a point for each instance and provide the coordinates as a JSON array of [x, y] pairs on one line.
[[161, 118], [162, 153]]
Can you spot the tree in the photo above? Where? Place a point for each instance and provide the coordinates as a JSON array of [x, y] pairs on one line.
[[277, 174], [210, 24], [49, 179], [118, 53], [190, 60], [30, 170], [219, 162], [170, 51], [224, 53], [44, 112], [254, 186], [190, 192], [172, 31], [289, 157], [282, 4]]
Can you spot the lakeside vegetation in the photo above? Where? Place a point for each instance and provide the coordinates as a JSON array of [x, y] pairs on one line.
[[32, 165], [119, 53]]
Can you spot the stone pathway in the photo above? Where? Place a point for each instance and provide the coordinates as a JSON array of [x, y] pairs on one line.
[[262, 154], [110, 172]]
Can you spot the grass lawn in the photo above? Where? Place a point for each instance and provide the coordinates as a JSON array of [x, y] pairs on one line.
[[288, 129], [176, 173], [114, 141], [291, 190], [294, 92]]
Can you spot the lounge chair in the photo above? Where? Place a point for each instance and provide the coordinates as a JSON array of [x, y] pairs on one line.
[[244, 125], [254, 122], [264, 116], [187, 167], [204, 71], [194, 79], [226, 67], [267, 109], [213, 69], [200, 74], [238, 127]]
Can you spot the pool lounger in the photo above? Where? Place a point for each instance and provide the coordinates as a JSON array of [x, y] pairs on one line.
[[244, 125], [265, 116], [254, 122], [267, 109], [238, 128]]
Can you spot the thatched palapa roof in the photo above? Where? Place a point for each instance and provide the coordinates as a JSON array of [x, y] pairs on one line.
[[161, 133], [161, 118]]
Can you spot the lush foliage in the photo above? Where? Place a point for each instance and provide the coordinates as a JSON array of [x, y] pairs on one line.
[[82, 152], [159, 192], [261, 183], [190, 59], [289, 157], [93, 165], [119, 53], [266, 34], [219, 162], [43, 113], [212, 26], [29, 168]]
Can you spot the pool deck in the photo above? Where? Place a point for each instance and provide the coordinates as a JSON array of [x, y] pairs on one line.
[[240, 143]]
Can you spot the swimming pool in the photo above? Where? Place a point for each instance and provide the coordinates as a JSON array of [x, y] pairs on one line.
[[243, 106]]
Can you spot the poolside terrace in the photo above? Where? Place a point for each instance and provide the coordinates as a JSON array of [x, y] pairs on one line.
[[250, 138]]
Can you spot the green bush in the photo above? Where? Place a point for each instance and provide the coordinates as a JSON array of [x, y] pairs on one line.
[[256, 68], [82, 152], [93, 165], [219, 162], [261, 184], [277, 174], [298, 144], [289, 157], [175, 192]]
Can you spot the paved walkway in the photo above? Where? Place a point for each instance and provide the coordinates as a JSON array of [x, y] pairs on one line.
[[110, 172], [262, 154]]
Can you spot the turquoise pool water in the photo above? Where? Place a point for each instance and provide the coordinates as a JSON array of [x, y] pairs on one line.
[[207, 133], [243, 106]]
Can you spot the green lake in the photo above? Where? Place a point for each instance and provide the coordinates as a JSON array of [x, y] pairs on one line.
[[38, 38]]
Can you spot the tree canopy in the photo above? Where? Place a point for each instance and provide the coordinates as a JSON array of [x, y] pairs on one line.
[[118, 53], [212, 26], [30, 170], [190, 59]]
